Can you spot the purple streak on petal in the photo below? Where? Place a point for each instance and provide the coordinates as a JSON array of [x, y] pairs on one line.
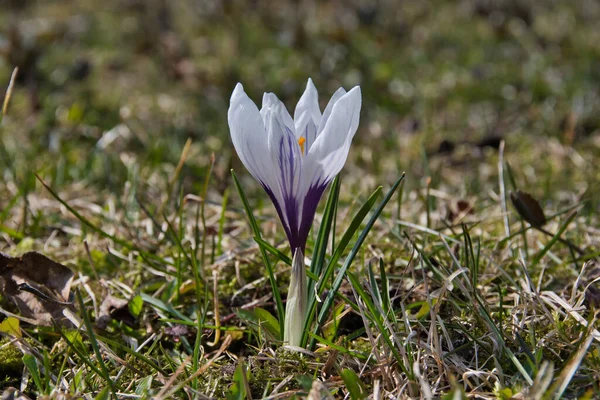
[[287, 166], [289, 204], [311, 201], [288, 233]]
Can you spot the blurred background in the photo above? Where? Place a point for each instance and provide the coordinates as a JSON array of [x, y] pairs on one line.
[[109, 91]]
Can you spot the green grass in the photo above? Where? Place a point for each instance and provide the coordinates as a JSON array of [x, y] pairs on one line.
[[115, 160]]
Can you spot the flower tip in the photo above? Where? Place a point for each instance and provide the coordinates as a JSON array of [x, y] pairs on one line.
[[237, 91], [270, 100], [354, 97], [238, 87], [356, 91]]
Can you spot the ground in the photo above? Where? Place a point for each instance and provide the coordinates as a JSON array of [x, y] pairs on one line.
[[475, 280]]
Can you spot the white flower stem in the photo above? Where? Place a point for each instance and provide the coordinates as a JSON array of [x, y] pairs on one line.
[[295, 309]]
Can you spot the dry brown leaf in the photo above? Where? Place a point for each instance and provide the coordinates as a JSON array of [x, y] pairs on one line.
[[528, 208], [117, 309], [38, 286]]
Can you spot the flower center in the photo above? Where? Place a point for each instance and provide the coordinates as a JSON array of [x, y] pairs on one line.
[[301, 142]]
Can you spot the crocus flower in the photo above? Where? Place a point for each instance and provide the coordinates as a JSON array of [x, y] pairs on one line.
[[294, 160]]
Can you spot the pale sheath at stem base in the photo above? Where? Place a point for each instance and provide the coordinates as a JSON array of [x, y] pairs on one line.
[[295, 309]]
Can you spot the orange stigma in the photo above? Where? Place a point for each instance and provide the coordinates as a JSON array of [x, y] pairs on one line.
[[301, 142]]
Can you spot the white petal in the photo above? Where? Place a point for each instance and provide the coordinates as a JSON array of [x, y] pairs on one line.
[[308, 115], [286, 162], [308, 103], [270, 101], [328, 154], [249, 136], [336, 96]]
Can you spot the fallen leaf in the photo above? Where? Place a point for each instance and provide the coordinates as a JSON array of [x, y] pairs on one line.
[[11, 326], [459, 208], [38, 286], [176, 331], [528, 208], [117, 309]]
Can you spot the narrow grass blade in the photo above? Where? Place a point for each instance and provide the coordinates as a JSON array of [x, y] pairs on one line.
[[273, 250], [177, 239], [470, 262], [325, 228], [94, 343], [96, 229], [385, 290], [137, 355], [165, 308], [222, 222], [339, 348], [256, 232], [320, 247], [568, 371], [324, 278], [9, 91], [340, 276], [554, 239], [377, 319]]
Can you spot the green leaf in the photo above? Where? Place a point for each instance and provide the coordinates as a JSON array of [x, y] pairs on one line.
[[268, 321], [104, 394], [32, 366], [305, 382], [425, 309], [353, 385], [330, 328], [11, 326], [348, 235], [135, 305], [237, 391], [74, 336], [144, 386]]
